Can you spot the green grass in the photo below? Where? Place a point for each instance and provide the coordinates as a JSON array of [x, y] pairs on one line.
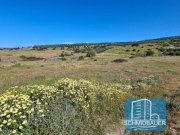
[[130, 51]]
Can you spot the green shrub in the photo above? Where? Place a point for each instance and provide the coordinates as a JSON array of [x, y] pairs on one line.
[[63, 59], [54, 48], [30, 58], [119, 60], [178, 53], [91, 54], [171, 72], [134, 50], [135, 45], [131, 57], [170, 51], [63, 54], [17, 65], [81, 58], [149, 53], [40, 48]]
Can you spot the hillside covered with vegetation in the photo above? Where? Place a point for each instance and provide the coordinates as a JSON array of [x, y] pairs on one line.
[[79, 89]]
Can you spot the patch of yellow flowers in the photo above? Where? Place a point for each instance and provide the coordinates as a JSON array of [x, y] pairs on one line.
[[19, 104], [80, 92], [84, 93]]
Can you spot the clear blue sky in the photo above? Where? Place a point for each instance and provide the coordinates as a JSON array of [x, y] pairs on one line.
[[29, 22]]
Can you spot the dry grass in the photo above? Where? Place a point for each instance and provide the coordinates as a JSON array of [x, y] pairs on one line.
[[11, 67]]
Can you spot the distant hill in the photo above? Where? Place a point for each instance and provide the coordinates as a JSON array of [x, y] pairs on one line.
[[168, 39], [174, 40]]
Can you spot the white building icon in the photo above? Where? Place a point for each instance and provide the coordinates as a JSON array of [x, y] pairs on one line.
[[142, 110]]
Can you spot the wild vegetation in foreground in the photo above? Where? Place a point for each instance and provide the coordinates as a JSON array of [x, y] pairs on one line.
[[70, 106]]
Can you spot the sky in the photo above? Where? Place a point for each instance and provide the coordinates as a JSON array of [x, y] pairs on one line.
[[33, 22]]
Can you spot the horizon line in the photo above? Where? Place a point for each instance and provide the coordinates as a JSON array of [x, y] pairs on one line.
[[71, 43]]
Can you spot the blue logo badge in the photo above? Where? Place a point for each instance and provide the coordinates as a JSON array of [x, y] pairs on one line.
[[145, 114]]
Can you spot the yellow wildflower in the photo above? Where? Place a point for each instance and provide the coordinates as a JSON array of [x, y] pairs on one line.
[[8, 116], [20, 127], [5, 121], [24, 122], [14, 131], [14, 121]]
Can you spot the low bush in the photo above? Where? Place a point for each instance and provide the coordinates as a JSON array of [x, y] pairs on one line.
[[135, 45], [91, 54], [40, 48], [131, 57], [17, 65], [30, 58], [133, 50], [119, 60], [63, 54], [81, 58], [170, 51], [149, 53], [63, 59], [54, 48]]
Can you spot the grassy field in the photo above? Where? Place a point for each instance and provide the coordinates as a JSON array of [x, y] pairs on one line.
[[109, 76]]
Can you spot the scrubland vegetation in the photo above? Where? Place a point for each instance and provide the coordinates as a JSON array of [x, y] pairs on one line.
[[80, 89], [69, 106]]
